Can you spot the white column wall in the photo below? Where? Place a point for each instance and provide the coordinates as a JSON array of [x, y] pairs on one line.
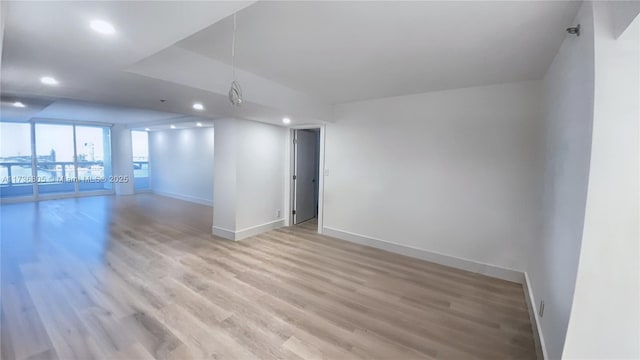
[[605, 313], [122, 159], [553, 257], [249, 178], [224, 188]]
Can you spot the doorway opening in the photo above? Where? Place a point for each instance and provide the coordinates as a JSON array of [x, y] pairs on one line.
[[306, 177]]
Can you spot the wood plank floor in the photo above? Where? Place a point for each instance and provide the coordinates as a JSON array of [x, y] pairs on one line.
[[140, 277]]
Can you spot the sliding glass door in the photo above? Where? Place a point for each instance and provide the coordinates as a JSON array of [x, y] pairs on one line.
[[94, 158], [55, 158], [16, 172], [45, 159]]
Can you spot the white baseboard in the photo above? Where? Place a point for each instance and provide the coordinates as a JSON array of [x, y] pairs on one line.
[[447, 260], [246, 232], [188, 198], [541, 350], [223, 233]]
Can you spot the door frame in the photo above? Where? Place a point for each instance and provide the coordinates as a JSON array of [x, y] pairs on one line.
[[289, 171]]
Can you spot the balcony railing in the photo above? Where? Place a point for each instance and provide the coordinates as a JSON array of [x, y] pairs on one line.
[[141, 174], [20, 173], [140, 169], [10, 176], [15, 175]]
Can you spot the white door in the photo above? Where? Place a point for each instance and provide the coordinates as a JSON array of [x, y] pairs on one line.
[[305, 152]]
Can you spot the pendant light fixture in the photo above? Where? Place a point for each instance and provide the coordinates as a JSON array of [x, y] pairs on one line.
[[235, 93]]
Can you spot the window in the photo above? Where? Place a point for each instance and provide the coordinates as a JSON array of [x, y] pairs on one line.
[[68, 159], [16, 173], [55, 158], [140, 147], [94, 165]]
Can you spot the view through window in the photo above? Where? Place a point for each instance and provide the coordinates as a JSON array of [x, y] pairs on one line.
[[54, 158], [93, 147], [140, 149], [68, 158], [15, 160]]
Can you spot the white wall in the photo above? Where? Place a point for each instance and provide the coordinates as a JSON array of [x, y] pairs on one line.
[[605, 317], [260, 173], [250, 173], [454, 172], [181, 163], [224, 189], [554, 255]]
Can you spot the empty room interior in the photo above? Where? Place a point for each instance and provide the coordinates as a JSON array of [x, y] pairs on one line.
[[320, 180]]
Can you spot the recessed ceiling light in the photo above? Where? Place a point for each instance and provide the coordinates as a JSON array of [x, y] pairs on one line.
[[103, 27], [199, 124], [18, 104], [146, 129], [198, 106], [286, 120], [48, 80], [173, 126]]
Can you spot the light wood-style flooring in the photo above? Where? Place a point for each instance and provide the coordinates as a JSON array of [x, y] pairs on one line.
[[141, 277]]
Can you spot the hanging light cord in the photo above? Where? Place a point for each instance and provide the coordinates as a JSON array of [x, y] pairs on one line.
[[233, 48], [235, 92]]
